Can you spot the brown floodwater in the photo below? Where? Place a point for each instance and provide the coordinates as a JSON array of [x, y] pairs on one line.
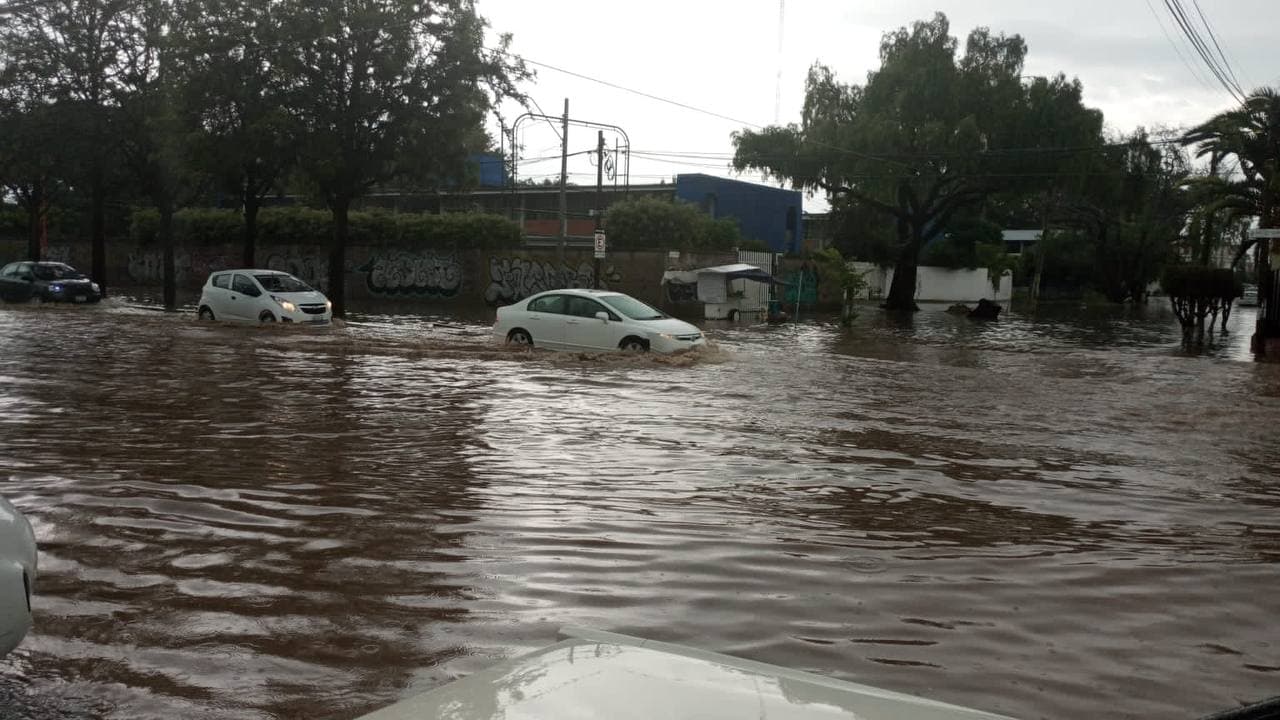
[[1062, 517]]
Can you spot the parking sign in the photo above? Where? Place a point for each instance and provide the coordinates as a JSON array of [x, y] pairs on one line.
[[600, 244]]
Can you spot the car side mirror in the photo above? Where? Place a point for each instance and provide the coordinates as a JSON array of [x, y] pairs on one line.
[[602, 316]]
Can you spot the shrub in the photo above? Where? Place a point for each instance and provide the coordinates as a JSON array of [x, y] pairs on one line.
[[652, 224], [308, 226]]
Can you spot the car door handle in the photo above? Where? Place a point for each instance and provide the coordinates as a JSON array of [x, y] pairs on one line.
[[572, 322]]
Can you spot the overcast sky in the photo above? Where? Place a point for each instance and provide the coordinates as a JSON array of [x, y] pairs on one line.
[[722, 56]]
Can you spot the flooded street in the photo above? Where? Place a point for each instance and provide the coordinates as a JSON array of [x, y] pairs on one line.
[[1062, 518]]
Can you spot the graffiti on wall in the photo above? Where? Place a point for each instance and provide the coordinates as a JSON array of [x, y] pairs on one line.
[[512, 279], [147, 266], [311, 268], [397, 272], [678, 292], [58, 253]]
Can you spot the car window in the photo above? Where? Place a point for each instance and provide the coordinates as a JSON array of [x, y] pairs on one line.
[[242, 284], [54, 271], [9, 270], [633, 308], [222, 281], [547, 304], [587, 308], [282, 283], [24, 270]]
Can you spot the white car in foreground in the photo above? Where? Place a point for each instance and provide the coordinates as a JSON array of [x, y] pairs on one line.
[[595, 674], [17, 576], [262, 296], [593, 320]]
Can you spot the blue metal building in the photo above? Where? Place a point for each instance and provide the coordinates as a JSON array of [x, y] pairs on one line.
[[768, 214]]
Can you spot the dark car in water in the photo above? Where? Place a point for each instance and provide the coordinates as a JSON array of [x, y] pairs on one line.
[[46, 282]]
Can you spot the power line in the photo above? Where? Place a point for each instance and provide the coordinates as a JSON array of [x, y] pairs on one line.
[[1214, 37], [1177, 49], [675, 103], [1202, 49]]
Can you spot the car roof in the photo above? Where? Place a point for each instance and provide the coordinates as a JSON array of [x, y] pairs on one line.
[[588, 292], [256, 271]]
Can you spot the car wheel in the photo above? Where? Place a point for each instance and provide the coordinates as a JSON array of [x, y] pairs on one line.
[[206, 313], [633, 344], [519, 337], [266, 317]]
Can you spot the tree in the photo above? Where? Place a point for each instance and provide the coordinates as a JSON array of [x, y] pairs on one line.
[[81, 47], [1251, 134], [387, 90], [1133, 213], [153, 132], [650, 223], [925, 137], [233, 98], [33, 151]]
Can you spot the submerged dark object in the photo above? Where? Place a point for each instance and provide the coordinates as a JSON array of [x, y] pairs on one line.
[[985, 310]]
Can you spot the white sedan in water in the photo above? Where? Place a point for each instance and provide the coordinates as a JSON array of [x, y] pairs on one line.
[[593, 320], [262, 296], [17, 576]]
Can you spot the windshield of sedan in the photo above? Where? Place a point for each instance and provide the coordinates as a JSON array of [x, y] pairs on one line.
[[54, 271], [633, 308], [282, 283]]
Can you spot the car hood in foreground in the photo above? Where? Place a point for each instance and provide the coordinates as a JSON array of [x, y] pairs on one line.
[[596, 674]]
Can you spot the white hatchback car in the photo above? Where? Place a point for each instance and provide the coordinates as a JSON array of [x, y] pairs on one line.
[[17, 576], [593, 320], [262, 296]]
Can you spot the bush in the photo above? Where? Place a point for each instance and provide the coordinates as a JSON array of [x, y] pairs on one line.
[[308, 226], [652, 224], [1198, 281], [1197, 292]]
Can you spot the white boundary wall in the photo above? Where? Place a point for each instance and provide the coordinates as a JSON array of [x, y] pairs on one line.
[[936, 284]]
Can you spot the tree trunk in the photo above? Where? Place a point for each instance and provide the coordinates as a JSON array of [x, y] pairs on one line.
[[902, 291], [251, 206], [98, 228], [37, 208], [341, 208], [166, 243]]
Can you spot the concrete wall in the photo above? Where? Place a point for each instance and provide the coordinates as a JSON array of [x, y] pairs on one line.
[[935, 284], [428, 276]]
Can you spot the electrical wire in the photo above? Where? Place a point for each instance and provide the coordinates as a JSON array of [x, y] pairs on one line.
[[1188, 28], [1227, 60], [1177, 48]]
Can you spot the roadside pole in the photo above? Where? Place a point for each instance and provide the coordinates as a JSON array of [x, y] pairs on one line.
[[599, 233], [1268, 314], [564, 181]]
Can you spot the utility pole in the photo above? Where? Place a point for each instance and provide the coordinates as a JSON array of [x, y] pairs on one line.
[[564, 181], [599, 200]]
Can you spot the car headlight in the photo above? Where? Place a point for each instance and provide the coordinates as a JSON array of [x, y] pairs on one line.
[[665, 336], [55, 288], [96, 287], [328, 305], [288, 306]]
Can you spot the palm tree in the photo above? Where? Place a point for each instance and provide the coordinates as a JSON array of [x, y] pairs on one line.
[[1251, 134]]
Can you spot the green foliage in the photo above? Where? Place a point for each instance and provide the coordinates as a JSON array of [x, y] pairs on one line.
[[1251, 134], [652, 224], [922, 139], [306, 226], [1198, 291], [1199, 281], [996, 259], [852, 282]]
